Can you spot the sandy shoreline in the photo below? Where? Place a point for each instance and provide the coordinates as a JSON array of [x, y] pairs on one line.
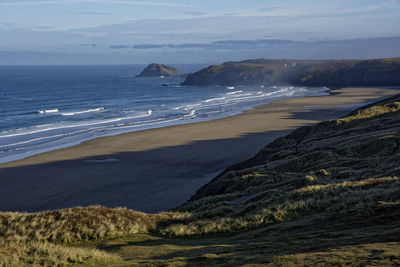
[[157, 169]]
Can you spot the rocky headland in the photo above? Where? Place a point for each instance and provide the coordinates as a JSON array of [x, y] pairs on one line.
[[330, 73], [158, 70]]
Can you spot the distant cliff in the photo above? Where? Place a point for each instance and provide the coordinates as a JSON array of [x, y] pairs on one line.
[[157, 70], [333, 73]]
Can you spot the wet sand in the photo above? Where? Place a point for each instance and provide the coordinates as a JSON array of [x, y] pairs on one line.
[[158, 169]]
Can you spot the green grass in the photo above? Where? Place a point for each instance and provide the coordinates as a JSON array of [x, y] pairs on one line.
[[48, 238], [326, 195]]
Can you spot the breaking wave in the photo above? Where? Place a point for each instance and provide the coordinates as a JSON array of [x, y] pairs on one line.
[[82, 112], [46, 111]]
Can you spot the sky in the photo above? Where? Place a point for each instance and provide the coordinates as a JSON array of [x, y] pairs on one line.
[[188, 31]]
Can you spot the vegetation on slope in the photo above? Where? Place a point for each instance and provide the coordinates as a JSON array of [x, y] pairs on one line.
[[331, 73], [39, 238], [351, 163], [327, 194]]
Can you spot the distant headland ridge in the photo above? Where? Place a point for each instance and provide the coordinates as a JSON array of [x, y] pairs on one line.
[[331, 73]]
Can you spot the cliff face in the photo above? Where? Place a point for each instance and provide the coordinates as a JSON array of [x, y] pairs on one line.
[[384, 72], [157, 70], [300, 73]]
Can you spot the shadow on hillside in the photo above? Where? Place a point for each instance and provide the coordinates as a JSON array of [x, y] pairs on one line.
[[149, 181]]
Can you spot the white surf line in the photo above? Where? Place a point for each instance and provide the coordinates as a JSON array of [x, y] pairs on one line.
[[77, 125], [82, 112]]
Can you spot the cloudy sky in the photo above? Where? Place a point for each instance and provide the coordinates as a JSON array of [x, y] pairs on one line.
[[188, 31]]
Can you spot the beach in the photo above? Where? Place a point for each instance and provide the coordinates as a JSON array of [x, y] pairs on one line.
[[158, 169]]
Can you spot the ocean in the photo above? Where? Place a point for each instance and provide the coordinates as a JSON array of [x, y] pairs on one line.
[[43, 108]]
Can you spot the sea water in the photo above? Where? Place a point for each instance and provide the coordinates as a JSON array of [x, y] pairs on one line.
[[43, 108]]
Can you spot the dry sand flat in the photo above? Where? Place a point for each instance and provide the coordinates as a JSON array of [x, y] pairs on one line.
[[157, 169]]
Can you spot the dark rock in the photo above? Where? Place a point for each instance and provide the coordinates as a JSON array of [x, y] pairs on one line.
[[158, 70]]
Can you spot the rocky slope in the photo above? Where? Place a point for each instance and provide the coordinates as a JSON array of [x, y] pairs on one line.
[[331, 73], [157, 70]]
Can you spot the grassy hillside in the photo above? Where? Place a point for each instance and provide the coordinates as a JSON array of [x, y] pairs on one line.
[[332, 73], [327, 194], [334, 167]]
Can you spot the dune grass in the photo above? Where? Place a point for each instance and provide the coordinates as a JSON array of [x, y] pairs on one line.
[[100, 236], [81, 224], [45, 238], [324, 195], [34, 253], [279, 207], [371, 112]]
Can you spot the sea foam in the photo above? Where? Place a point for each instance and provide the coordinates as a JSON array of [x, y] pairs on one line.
[[82, 112], [46, 111], [65, 117]]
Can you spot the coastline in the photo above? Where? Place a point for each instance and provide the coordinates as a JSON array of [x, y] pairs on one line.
[[157, 169], [65, 127]]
